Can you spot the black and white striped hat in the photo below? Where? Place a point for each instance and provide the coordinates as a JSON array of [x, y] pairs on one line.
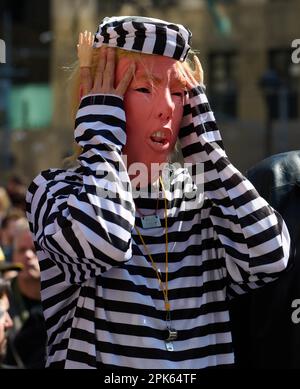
[[146, 35]]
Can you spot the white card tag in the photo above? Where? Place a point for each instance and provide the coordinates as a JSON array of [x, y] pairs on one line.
[[150, 221], [169, 346]]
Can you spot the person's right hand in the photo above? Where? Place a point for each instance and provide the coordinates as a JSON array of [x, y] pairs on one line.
[[85, 57], [105, 71], [105, 74]]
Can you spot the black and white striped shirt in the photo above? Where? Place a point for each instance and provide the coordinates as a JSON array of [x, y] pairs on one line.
[[101, 298]]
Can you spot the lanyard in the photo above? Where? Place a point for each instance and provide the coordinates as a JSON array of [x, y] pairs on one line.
[[172, 333], [164, 289]]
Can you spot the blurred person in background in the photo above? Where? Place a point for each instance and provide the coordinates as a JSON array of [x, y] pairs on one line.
[[27, 340], [16, 190], [6, 322], [266, 328], [8, 230]]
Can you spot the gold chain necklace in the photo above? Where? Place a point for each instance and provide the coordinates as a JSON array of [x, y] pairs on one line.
[[172, 333]]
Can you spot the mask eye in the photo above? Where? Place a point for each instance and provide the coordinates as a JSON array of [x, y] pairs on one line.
[[180, 94], [142, 90]]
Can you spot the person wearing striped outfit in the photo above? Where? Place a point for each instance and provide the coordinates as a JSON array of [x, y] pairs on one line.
[[137, 273]]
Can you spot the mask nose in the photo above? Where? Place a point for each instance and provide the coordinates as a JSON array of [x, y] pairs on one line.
[[164, 116], [165, 107]]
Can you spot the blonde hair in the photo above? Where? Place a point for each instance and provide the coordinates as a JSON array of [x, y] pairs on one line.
[[189, 64]]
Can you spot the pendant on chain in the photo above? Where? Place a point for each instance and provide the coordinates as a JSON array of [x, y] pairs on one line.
[[169, 341]]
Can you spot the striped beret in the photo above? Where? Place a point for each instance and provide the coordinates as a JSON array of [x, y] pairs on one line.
[[144, 35]]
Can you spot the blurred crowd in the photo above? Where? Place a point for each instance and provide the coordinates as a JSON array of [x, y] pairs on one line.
[[22, 334]]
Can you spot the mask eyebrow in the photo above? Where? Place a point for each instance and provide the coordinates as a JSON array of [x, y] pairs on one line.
[[176, 81], [148, 78]]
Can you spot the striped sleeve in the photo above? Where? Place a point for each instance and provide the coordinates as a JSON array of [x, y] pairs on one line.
[[254, 237], [84, 218]]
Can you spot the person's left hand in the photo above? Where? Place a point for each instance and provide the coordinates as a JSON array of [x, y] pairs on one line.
[[193, 78], [198, 73]]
